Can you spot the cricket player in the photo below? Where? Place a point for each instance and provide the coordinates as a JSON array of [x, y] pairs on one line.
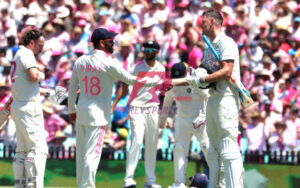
[[223, 105], [26, 111], [94, 74], [190, 120], [144, 115]]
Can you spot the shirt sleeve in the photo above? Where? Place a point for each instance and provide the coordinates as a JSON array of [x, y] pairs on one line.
[[73, 91], [128, 78], [228, 50], [28, 61]]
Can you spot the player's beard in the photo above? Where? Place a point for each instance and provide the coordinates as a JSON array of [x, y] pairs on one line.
[[150, 57], [109, 47], [208, 31]]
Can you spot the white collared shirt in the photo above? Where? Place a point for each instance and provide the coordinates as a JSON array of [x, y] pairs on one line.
[[95, 75], [191, 102], [23, 88], [227, 50], [143, 98]]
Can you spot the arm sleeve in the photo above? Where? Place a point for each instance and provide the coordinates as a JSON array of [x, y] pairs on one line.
[[28, 61], [168, 101], [73, 91], [128, 78], [228, 50]]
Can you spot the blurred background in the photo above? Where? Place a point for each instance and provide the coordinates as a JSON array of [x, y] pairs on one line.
[[267, 33]]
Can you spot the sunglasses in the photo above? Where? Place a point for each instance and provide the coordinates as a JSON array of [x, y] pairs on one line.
[[149, 50]]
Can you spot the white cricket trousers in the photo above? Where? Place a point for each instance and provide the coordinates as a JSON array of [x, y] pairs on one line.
[[222, 130], [89, 142], [184, 130], [31, 152], [143, 122]]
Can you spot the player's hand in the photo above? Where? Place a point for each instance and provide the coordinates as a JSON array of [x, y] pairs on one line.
[[166, 85], [72, 118], [112, 110]]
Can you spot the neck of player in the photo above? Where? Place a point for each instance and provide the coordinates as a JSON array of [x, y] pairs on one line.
[[212, 35], [150, 61]]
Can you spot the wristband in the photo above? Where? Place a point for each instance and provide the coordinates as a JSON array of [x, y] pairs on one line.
[[41, 76]]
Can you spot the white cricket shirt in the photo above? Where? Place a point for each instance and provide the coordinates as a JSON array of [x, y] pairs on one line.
[[190, 102], [23, 88], [144, 96], [227, 50], [94, 74]]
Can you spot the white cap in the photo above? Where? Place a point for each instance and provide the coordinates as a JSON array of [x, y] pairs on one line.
[[149, 22], [31, 21], [62, 12]]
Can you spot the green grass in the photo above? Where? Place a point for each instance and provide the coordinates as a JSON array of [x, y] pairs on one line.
[[111, 173]]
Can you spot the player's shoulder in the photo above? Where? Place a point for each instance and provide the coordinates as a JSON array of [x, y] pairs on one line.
[[160, 66], [140, 65], [83, 58], [24, 52], [228, 41]]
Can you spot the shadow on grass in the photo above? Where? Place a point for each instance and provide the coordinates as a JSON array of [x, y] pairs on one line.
[[7, 181], [294, 181]]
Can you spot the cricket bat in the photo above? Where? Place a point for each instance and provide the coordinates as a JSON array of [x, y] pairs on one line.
[[243, 94], [4, 113]]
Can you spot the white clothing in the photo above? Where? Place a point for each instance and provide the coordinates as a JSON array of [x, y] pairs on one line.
[[191, 104], [95, 74], [23, 89], [89, 141], [144, 121], [27, 114], [222, 117], [143, 95], [227, 50]]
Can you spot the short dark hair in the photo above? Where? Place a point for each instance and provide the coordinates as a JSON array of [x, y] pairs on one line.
[[33, 34], [214, 15]]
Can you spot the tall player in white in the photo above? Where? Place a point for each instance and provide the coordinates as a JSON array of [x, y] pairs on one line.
[[190, 120], [94, 74], [223, 104], [26, 111], [144, 115]]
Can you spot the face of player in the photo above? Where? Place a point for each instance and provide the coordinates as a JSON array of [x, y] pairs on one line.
[[206, 25], [109, 45], [38, 46], [150, 53]]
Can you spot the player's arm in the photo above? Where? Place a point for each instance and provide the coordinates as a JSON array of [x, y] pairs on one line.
[[119, 94], [72, 94], [129, 79], [168, 100], [35, 75], [223, 74]]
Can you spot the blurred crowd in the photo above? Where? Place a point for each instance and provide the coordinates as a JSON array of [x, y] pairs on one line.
[[267, 33]]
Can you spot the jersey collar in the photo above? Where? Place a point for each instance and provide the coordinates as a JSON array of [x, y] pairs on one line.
[[218, 38], [148, 66]]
